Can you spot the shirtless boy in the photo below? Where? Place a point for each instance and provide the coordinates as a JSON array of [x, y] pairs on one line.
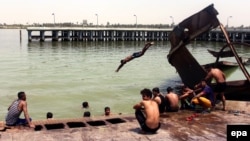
[[172, 101], [151, 121], [220, 79], [160, 99], [134, 55]]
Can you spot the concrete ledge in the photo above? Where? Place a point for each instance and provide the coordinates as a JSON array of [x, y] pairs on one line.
[[205, 127], [53, 124]]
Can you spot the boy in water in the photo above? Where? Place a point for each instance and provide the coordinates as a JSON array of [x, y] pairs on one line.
[[107, 111], [49, 115]]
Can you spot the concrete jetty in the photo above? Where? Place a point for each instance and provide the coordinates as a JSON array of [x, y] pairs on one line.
[[125, 34], [205, 127], [97, 34]]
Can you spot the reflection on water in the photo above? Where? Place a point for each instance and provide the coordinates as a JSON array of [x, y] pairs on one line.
[[59, 76]]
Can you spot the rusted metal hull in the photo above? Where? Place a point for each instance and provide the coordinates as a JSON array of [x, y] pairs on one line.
[[237, 90], [190, 71]]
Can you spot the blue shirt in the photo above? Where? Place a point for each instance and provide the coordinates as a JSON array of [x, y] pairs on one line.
[[209, 94]]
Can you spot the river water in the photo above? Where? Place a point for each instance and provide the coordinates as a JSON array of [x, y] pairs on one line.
[[58, 76]]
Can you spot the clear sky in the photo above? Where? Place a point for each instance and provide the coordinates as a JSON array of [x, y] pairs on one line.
[[119, 11]]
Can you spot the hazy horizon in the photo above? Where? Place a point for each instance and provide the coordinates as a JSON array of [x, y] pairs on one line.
[[119, 11]]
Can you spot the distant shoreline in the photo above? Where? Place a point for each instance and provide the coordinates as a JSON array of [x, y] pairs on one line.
[[160, 26]]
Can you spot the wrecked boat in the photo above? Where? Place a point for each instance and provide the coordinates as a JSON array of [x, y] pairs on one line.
[[188, 68], [228, 53], [222, 65], [225, 65]]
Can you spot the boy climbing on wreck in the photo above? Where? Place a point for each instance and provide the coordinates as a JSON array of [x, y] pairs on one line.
[[220, 79], [134, 55]]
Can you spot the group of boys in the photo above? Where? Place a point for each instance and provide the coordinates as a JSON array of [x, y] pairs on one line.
[[147, 111], [153, 103], [167, 103], [201, 95], [85, 105]]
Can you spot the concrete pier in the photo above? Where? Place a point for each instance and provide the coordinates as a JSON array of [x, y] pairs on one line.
[[126, 34], [174, 127], [97, 34]]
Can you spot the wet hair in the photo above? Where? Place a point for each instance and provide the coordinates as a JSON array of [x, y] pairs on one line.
[[105, 111], [86, 114], [146, 92], [156, 89], [20, 94], [85, 104], [49, 115], [106, 108], [169, 89]]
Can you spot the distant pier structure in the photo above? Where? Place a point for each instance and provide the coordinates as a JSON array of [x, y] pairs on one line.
[[97, 34], [126, 34]]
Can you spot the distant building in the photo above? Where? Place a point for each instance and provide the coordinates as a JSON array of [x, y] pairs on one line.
[[84, 22]]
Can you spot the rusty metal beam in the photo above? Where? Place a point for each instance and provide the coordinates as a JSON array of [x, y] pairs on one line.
[[245, 72]]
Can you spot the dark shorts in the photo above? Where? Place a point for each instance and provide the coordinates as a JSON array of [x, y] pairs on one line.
[[20, 121], [145, 128], [136, 54], [142, 121], [220, 87], [170, 109]]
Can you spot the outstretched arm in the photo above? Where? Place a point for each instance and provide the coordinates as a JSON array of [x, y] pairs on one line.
[[120, 66], [147, 45], [129, 58], [124, 61], [200, 94], [187, 91]]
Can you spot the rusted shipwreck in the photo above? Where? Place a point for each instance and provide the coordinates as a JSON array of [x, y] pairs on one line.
[[188, 68]]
